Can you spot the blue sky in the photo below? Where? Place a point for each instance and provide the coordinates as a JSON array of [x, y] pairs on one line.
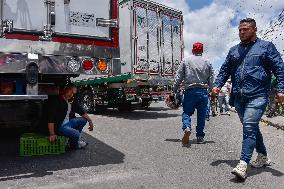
[[198, 4], [215, 23]]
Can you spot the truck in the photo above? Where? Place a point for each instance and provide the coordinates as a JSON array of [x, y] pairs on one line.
[[151, 49], [46, 43]]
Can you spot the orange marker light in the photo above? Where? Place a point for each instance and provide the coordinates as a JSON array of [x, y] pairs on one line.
[[102, 65]]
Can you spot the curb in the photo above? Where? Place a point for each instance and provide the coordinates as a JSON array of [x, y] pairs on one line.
[[269, 123]]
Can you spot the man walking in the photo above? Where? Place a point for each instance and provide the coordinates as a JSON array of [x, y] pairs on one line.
[[197, 74], [250, 64], [223, 99]]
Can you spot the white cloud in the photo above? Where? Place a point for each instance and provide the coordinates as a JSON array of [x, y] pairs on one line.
[[216, 25]]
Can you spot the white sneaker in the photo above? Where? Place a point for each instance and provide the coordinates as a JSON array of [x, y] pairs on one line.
[[82, 144], [240, 170], [260, 161]]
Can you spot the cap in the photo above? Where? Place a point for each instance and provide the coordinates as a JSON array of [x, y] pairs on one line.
[[197, 48]]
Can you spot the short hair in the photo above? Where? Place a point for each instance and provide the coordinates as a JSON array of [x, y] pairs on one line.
[[251, 21], [67, 87]]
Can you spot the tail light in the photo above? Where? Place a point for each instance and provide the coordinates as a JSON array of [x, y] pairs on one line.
[[102, 65], [7, 87], [73, 64], [88, 65]]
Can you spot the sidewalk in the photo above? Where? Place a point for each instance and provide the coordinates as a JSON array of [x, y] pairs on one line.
[[277, 122]]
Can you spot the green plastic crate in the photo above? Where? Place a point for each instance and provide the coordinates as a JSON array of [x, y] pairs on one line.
[[37, 144]]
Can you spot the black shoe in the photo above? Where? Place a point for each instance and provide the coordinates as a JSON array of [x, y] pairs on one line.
[[200, 140]]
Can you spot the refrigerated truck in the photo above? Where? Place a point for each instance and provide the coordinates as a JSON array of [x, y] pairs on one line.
[[45, 43], [151, 49]]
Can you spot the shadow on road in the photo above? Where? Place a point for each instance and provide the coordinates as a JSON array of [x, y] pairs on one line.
[[15, 167], [194, 141], [251, 171], [139, 114]]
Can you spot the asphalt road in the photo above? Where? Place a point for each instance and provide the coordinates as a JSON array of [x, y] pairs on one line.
[[142, 149]]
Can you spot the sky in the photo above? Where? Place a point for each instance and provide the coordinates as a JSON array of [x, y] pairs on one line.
[[215, 23]]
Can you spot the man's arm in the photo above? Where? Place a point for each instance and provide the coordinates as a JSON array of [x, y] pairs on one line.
[[51, 110], [211, 77], [179, 76], [52, 136], [277, 66], [223, 75], [91, 125]]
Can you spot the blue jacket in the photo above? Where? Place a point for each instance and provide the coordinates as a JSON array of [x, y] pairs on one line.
[[252, 76]]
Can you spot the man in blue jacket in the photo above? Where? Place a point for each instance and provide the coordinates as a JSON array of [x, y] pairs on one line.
[[250, 65]]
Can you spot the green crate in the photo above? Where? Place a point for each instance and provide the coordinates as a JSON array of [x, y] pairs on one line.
[[37, 144]]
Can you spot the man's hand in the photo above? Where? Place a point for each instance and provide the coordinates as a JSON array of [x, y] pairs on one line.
[[52, 138], [91, 126], [215, 91], [280, 97]]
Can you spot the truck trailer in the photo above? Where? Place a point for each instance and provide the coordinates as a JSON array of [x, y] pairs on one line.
[[151, 49], [46, 43]]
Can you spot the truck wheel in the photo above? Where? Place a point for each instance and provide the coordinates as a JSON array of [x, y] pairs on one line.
[[124, 107], [99, 109], [85, 101], [145, 103]]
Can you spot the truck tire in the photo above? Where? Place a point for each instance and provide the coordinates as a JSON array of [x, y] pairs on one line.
[[85, 101], [145, 103], [123, 107], [99, 109]]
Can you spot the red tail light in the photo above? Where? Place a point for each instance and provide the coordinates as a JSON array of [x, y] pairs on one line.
[[88, 64]]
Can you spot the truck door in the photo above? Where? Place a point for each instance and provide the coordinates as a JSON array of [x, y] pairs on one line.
[[167, 45], [141, 64], [153, 43], [85, 19], [90, 22], [177, 42], [28, 16]]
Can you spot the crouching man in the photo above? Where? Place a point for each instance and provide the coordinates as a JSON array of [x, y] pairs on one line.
[[58, 112]]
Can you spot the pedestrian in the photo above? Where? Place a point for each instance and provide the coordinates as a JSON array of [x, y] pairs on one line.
[[59, 116], [250, 65], [272, 102], [223, 99], [197, 74]]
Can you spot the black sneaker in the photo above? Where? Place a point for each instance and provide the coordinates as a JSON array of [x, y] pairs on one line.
[[200, 140]]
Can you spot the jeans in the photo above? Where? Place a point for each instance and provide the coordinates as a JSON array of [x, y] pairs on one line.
[[195, 98], [223, 100], [72, 130], [250, 111]]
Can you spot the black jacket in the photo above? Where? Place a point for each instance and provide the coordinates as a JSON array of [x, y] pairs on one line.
[[55, 110]]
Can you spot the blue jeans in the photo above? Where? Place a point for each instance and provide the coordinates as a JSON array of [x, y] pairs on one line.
[[72, 130], [223, 100], [195, 98], [250, 111]]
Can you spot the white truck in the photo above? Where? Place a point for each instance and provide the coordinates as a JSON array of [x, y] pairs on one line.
[[151, 48], [44, 43]]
